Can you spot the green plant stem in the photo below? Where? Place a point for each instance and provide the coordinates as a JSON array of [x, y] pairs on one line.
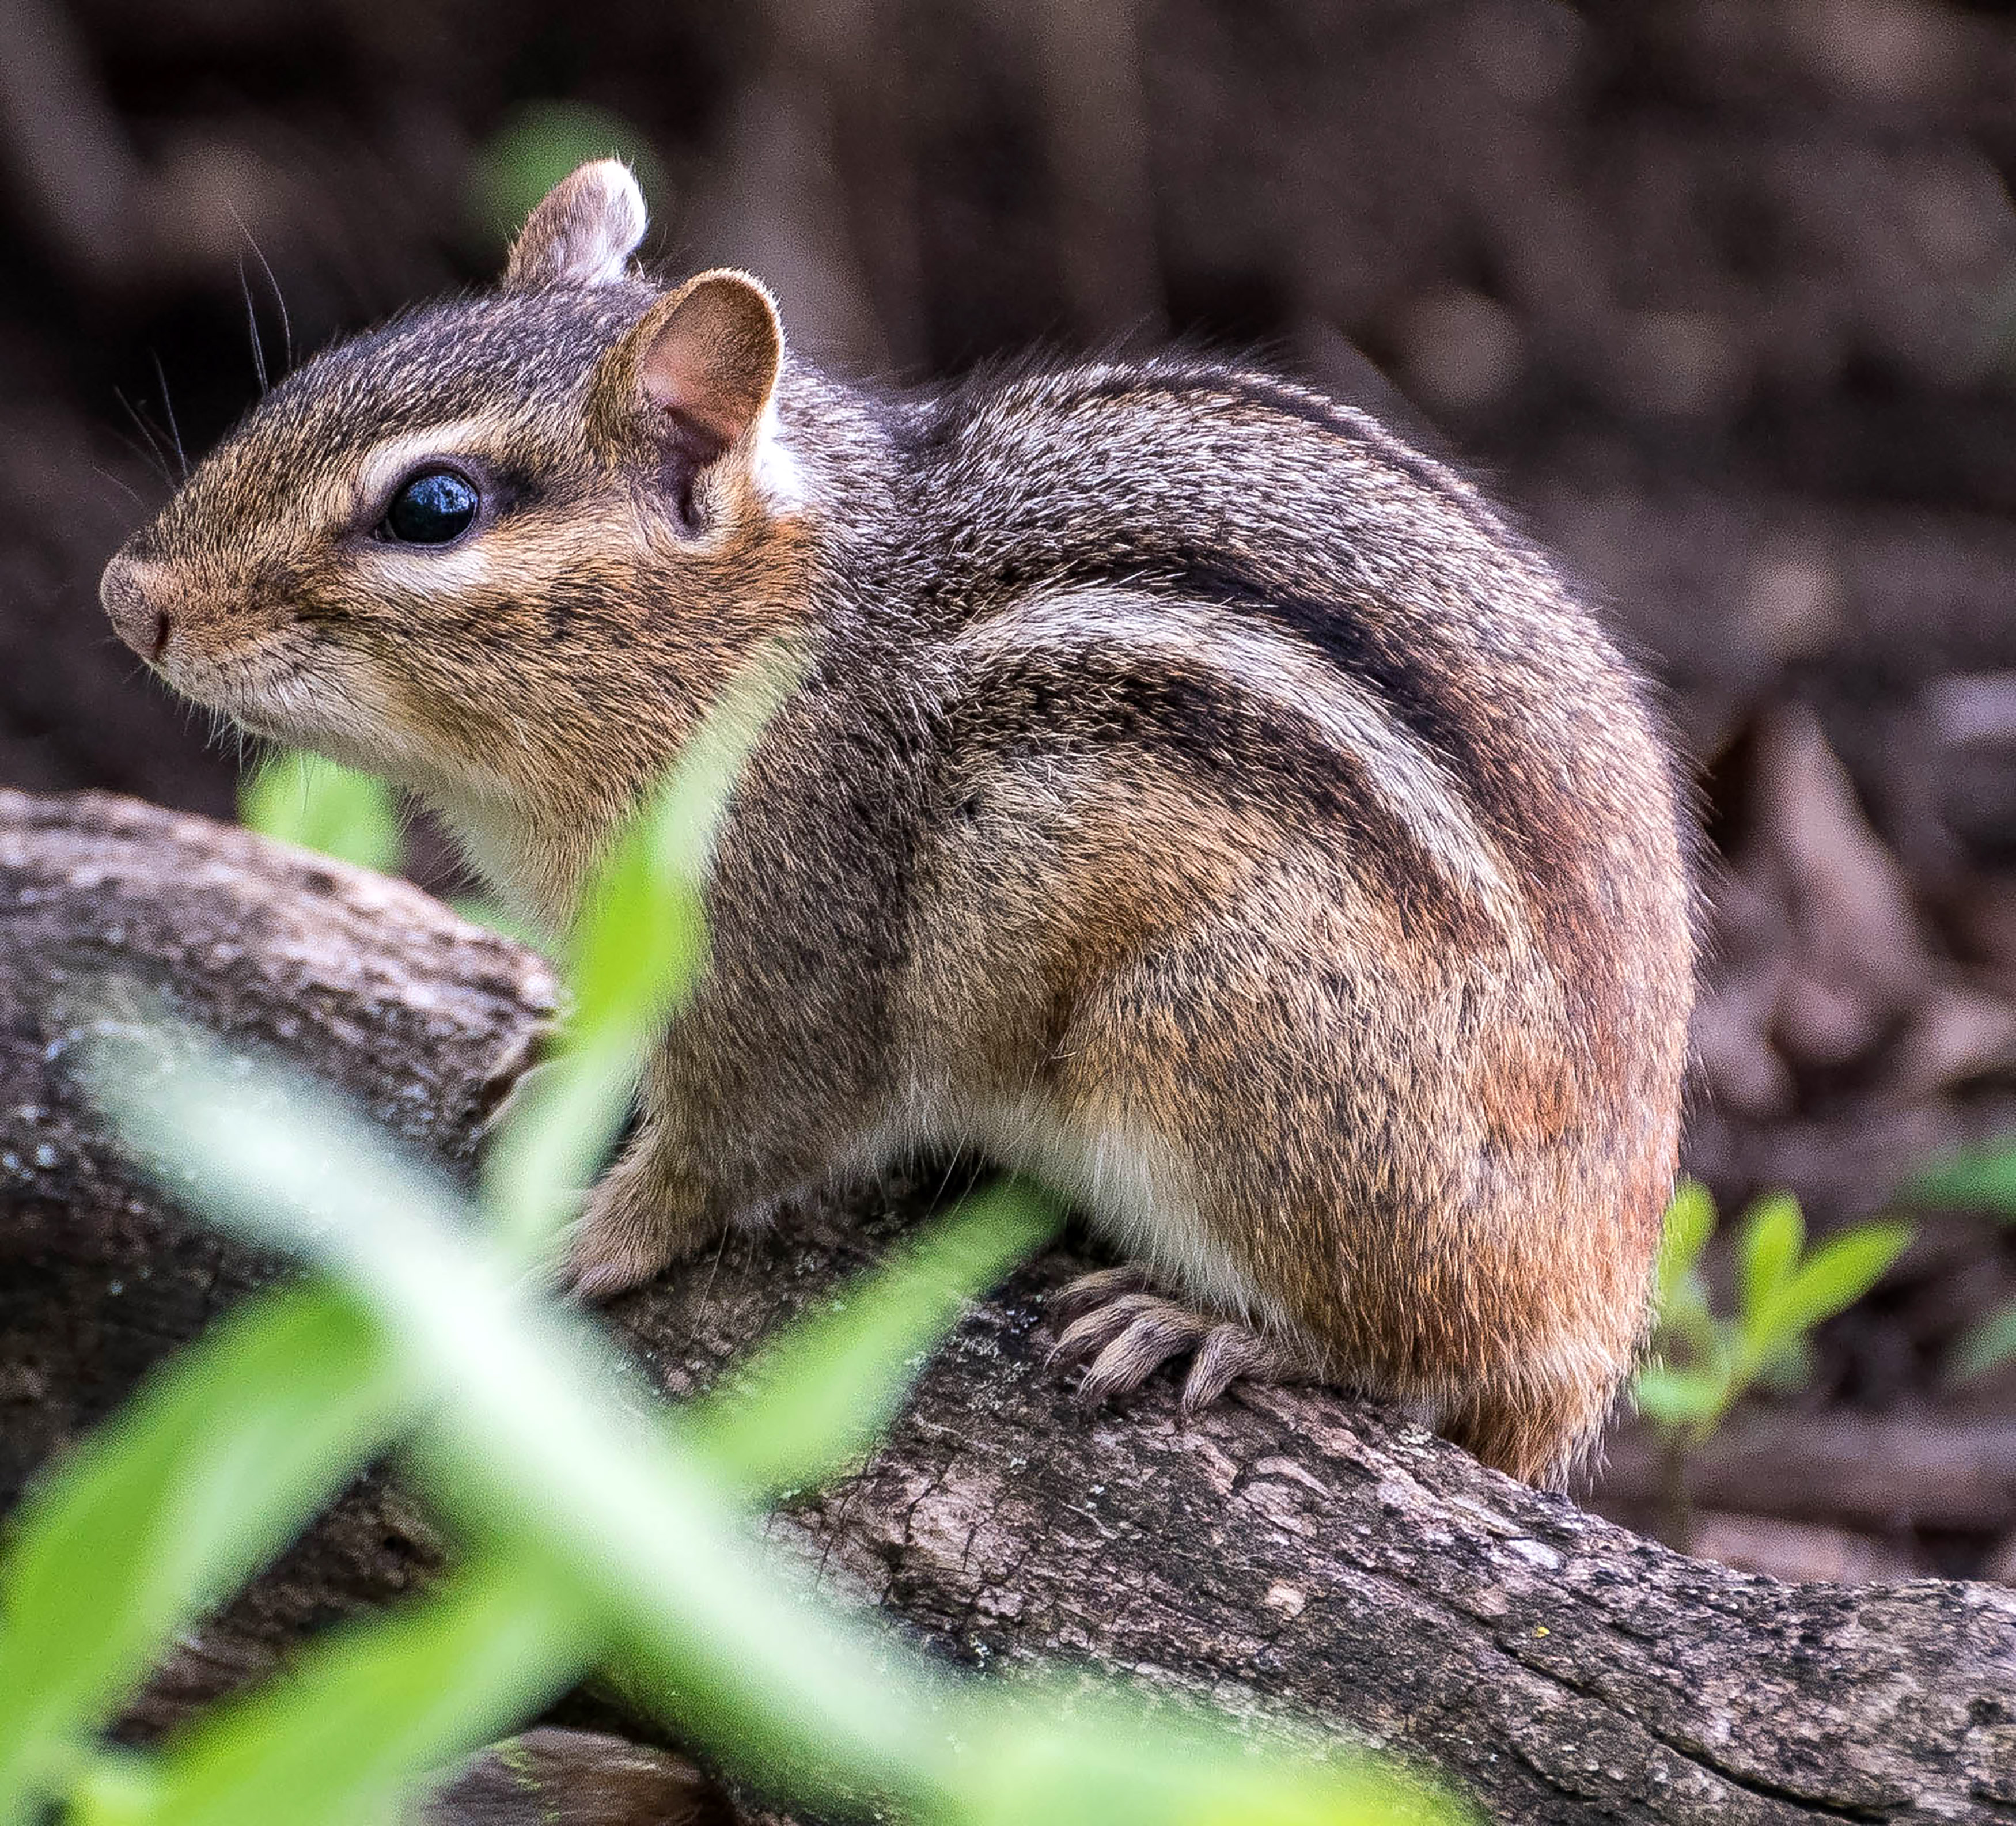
[[1676, 1514]]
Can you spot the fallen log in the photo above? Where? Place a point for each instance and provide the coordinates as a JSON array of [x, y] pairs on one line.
[[1295, 1548]]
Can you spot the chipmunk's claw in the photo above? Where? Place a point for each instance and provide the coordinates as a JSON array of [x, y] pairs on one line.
[[1090, 1291], [595, 1271], [1128, 1333], [1231, 1353]]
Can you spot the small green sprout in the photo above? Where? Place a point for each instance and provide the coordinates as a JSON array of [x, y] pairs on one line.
[[1705, 1363], [1784, 1290]]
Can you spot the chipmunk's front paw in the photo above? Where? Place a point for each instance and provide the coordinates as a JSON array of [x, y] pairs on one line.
[[623, 1239], [1128, 1333]]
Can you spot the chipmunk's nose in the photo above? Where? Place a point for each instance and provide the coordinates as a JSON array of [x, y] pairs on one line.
[[135, 596]]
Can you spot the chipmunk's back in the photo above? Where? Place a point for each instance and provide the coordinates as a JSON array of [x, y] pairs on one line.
[[1291, 549]]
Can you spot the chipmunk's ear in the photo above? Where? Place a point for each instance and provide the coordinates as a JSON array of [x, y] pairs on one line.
[[582, 234], [695, 373]]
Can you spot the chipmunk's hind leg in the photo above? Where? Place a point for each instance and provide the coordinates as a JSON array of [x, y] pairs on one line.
[[1540, 1429], [1112, 1320]]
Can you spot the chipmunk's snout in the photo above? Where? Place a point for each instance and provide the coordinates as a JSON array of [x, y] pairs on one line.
[[135, 595]]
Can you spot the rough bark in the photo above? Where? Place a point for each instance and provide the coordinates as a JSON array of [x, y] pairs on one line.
[[1293, 1547]]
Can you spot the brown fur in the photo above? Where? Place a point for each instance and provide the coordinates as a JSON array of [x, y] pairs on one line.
[[1198, 797]]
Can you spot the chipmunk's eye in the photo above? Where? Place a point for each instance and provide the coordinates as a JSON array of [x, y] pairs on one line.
[[436, 507]]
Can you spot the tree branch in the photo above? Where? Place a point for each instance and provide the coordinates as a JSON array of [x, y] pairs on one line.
[[1293, 1549]]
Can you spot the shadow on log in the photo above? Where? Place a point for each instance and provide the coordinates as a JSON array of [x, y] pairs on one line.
[[1292, 1548]]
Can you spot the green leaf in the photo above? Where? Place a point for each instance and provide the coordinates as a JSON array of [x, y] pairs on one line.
[[303, 799], [641, 939], [1833, 1278], [1984, 1178], [1677, 1398], [199, 1480], [819, 1394], [1773, 1232], [1989, 1346], [1690, 1223], [379, 1705]]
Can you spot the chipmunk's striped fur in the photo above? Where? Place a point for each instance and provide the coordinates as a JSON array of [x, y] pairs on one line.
[[1198, 797]]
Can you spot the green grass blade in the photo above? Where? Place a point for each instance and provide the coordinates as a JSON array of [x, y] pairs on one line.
[[641, 939], [818, 1394], [201, 1479], [304, 799], [635, 956], [379, 1705]]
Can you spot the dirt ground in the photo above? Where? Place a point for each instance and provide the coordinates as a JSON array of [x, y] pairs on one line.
[[1720, 295]]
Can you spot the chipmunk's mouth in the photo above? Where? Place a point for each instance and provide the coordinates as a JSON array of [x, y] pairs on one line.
[[261, 685], [299, 695], [240, 683]]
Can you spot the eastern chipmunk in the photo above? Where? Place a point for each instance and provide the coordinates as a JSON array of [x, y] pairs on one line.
[[1198, 798]]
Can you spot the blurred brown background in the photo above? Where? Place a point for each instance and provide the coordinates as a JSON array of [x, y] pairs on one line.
[[1720, 295]]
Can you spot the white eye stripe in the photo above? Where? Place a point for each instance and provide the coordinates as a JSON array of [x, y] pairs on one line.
[[386, 465]]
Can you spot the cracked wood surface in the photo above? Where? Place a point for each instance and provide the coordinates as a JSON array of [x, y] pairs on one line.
[[1293, 1548]]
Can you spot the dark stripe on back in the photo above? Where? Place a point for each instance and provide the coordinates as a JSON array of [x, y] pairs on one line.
[[1248, 753], [1435, 690], [1424, 697]]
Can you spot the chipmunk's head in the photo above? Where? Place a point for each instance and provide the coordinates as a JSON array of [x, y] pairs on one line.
[[503, 549]]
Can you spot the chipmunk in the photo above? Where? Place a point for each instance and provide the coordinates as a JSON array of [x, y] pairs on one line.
[[1196, 798]]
